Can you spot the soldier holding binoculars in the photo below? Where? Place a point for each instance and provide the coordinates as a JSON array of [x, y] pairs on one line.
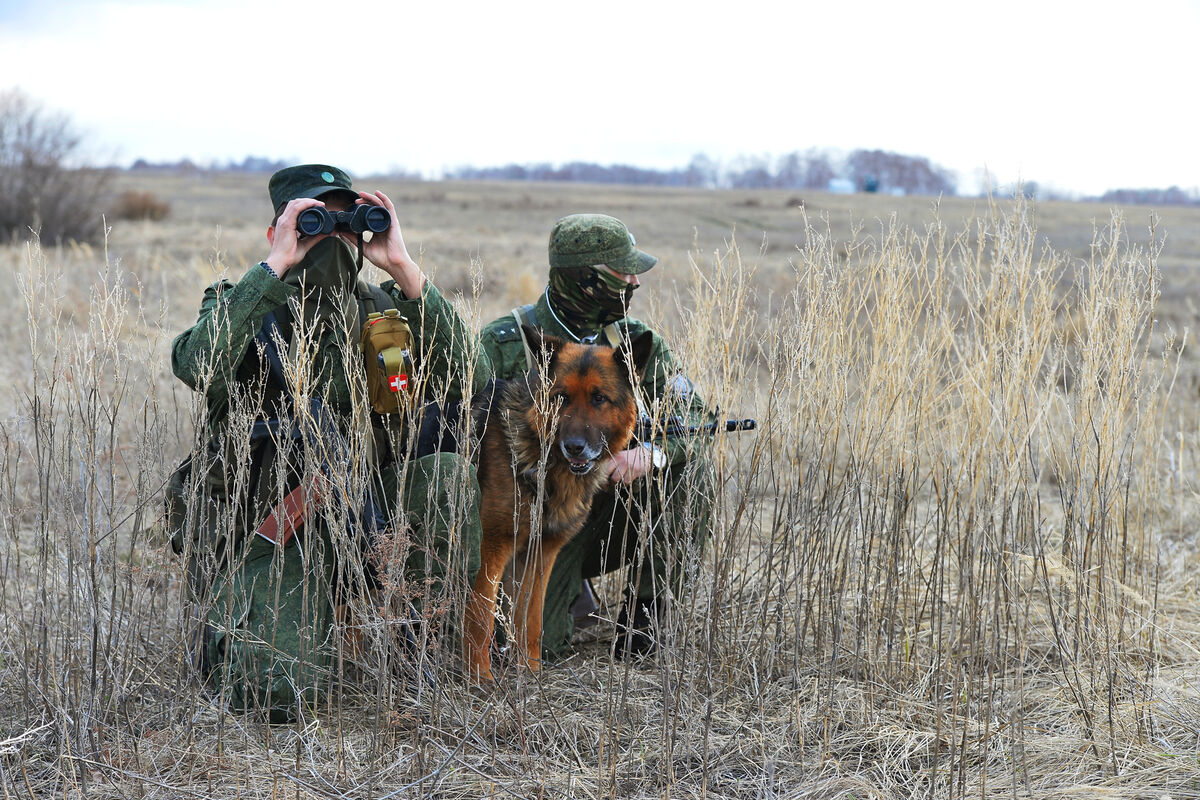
[[387, 252], [277, 357]]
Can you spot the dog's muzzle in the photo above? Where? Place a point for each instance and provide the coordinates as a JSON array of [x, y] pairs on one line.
[[581, 457]]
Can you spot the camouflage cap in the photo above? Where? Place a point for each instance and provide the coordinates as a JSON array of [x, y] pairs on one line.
[[308, 180], [584, 240]]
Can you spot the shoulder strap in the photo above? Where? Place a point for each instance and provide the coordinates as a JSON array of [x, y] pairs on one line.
[[267, 335], [524, 316], [371, 298]]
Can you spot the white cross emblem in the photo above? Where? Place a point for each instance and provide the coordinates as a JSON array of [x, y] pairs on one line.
[[398, 383]]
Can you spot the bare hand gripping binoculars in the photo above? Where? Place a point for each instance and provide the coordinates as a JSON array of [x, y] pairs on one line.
[[360, 219]]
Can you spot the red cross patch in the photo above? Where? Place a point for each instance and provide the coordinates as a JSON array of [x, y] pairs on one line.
[[398, 383]]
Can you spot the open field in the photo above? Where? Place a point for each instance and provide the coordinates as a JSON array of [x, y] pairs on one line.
[[957, 560]]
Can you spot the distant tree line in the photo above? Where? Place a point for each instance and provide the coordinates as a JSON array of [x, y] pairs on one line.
[[247, 164], [864, 170], [814, 169], [1172, 196], [47, 186]]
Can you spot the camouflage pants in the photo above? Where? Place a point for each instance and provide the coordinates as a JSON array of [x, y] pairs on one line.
[[271, 643], [655, 528]]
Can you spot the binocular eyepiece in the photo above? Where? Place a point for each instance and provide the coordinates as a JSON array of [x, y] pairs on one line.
[[359, 219]]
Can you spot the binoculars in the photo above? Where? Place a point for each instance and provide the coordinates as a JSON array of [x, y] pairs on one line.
[[359, 219]]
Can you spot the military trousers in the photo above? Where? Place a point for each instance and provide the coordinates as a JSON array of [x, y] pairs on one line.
[[656, 529], [272, 643]]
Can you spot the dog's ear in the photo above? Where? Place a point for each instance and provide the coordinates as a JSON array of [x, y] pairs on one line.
[[639, 351], [543, 345]]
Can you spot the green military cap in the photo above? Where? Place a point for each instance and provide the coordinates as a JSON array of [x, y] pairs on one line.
[[308, 180], [584, 240]]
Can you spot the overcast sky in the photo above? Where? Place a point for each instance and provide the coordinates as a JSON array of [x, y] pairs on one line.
[[1080, 96]]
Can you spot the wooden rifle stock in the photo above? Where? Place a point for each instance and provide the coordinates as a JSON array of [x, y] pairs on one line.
[[286, 518]]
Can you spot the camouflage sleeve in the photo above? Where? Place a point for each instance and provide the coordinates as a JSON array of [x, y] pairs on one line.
[[455, 364], [206, 356]]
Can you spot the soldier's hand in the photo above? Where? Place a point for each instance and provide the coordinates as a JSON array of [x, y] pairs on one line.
[[387, 250], [287, 248], [629, 465]]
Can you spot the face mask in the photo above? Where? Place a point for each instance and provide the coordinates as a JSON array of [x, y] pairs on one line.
[[326, 277], [329, 267], [588, 298]]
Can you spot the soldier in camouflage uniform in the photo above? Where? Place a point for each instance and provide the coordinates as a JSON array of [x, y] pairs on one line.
[[270, 605], [655, 516]]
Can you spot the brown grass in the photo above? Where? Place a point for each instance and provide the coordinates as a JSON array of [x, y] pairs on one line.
[[956, 560]]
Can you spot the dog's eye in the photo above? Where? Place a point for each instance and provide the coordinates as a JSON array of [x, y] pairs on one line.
[[598, 399]]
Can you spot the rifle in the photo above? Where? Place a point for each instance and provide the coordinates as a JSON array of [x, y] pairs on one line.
[[649, 429]]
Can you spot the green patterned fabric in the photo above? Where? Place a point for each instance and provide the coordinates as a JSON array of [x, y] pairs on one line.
[[270, 638], [215, 354], [587, 299], [270, 641], [308, 180], [584, 240]]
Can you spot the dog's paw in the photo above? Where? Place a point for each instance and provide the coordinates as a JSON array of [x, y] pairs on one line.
[[480, 677]]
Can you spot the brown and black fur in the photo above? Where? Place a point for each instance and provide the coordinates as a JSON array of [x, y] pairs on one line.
[[575, 412]]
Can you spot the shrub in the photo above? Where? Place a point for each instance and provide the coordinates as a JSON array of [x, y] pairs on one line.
[[140, 205], [44, 186]]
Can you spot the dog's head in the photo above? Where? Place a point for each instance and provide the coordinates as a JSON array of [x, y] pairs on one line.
[[591, 408]]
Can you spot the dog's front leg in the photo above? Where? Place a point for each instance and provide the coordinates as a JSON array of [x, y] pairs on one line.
[[480, 619], [531, 600]]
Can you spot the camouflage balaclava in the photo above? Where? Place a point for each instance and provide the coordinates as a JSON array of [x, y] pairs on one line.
[[587, 299]]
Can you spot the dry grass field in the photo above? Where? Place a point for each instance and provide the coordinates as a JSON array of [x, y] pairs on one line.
[[958, 558]]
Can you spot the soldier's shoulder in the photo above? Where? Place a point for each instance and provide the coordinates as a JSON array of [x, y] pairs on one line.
[[380, 294], [635, 327], [502, 330]]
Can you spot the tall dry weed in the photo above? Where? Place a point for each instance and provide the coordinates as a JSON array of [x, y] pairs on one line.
[[936, 568]]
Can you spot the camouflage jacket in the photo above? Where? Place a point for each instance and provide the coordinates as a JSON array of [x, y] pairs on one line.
[[662, 383], [217, 353]]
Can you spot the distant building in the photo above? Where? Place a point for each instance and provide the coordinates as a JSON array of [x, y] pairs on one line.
[[841, 186]]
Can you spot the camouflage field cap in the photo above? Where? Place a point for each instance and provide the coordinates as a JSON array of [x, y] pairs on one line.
[[584, 240], [308, 180]]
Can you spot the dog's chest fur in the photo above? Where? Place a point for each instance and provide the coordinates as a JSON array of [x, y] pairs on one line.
[[566, 498], [517, 464]]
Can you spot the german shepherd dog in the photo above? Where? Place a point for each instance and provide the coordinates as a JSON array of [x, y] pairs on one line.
[[575, 408]]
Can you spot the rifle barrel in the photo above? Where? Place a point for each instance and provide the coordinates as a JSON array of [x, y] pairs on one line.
[[674, 428]]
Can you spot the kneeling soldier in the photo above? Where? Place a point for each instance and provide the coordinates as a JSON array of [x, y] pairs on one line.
[[655, 516], [300, 473]]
